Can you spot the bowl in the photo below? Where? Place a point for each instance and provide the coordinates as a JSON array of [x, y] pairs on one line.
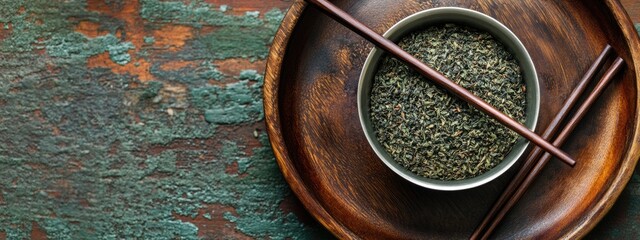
[[460, 16]]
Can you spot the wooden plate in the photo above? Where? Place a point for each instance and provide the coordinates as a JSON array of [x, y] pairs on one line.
[[310, 107]]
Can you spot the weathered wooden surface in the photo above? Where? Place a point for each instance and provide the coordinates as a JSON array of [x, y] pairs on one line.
[[143, 119], [623, 220], [139, 119]]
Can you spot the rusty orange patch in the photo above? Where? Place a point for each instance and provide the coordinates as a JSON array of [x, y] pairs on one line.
[[90, 29], [233, 66], [134, 31], [207, 29], [37, 232], [172, 37], [138, 67], [128, 12], [215, 226], [97, 6]]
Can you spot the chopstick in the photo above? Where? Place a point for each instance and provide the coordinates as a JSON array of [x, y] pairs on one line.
[[560, 139], [348, 21], [552, 129]]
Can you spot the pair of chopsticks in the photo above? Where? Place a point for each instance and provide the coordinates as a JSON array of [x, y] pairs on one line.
[[534, 162], [348, 21]]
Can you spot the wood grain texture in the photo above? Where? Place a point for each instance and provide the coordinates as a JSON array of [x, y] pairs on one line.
[[633, 9], [312, 120], [271, 93]]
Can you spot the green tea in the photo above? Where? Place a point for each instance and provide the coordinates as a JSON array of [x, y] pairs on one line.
[[433, 133]]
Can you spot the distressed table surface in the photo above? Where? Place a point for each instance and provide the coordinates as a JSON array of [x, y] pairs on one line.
[[143, 119]]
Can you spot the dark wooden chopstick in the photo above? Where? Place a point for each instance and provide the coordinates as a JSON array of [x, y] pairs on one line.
[[548, 134], [562, 137], [348, 21]]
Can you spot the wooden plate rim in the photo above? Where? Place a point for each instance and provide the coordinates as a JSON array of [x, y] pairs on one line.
[[604, 204], [272, 120], [306, 196]]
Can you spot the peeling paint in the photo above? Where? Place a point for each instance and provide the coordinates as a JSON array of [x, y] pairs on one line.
[[250, 74], [235, 103], [76, 47], [102, 137], [256, 33], [149, 40], [197, 75]]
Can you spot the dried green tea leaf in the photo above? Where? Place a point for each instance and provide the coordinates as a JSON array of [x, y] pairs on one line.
[[435, 134]]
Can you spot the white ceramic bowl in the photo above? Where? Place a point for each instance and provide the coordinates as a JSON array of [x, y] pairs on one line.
[[473, 19]]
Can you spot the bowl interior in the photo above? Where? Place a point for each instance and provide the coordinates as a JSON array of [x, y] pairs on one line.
[[473, 19]]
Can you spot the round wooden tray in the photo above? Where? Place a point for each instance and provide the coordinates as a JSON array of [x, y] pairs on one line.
[[310, 107]]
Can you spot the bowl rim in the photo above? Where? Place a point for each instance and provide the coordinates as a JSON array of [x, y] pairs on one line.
[[489, 24]]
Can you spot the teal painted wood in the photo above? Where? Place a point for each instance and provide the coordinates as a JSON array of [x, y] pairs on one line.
[[138, 119]]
